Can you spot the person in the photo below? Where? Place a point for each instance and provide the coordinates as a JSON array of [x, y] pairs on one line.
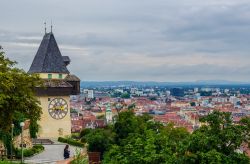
[[66, 153]]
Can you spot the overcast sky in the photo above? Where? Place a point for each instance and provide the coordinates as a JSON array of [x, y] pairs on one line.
[[144, 40]]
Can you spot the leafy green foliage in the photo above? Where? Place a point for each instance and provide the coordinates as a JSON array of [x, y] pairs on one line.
[[217, 141], [139, 139], [125, 95], [80, 158], [34, 127], [29, 152], [17, 99], [75, 136], [99, 140], [16, 93], [126, 124], [84, 132], [6, 139], [116, 94], [192, 104], [71, 141], [152, 98], [7, 162], [206, 93]]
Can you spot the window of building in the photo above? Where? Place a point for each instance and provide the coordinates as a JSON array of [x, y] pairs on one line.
[[60, 76], [49, 76]]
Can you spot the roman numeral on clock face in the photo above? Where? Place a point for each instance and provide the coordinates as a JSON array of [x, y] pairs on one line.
[[58, 108]]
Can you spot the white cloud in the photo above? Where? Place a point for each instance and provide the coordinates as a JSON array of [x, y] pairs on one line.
[[162, 40]]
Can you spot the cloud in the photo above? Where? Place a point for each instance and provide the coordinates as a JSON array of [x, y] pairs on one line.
[[161, 40]]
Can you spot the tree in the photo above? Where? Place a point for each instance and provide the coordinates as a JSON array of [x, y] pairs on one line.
[[142, 140], [125, 95], [192, 104], [152, 98], [99, 140], [206, 93], [17, 95], [125, 124], [147, 148], [218, 138], [116, 94]]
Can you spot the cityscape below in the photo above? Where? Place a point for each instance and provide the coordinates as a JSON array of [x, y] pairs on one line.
[[183, 104]]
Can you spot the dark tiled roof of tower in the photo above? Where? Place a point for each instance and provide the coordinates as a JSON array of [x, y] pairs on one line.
[[66, 60], [48, 58], [71, 77]]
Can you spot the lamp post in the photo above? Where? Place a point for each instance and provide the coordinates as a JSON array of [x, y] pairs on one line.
[[22, 125], [11, 151]]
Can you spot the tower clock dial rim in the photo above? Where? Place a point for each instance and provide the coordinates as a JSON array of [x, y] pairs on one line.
[[58, 108]]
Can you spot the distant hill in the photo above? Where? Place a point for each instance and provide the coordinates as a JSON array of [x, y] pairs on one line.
[[219, 82], [153, 83]]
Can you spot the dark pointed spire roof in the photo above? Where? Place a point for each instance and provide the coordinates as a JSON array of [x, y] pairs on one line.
[[48, 58]]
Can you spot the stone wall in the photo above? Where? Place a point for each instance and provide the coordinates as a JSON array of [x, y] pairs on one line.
[[17, 139], [26, 137]]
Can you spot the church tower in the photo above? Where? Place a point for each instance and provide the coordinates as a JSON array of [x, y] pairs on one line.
[[59, 84], [108, 115]]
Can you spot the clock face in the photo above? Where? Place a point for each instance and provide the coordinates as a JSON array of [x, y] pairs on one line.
[[58, 108]]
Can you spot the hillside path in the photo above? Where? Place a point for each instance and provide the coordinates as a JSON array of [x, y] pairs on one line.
[[52, 154]]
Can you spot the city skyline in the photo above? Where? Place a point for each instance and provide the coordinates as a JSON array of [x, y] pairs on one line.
[[145, 40]]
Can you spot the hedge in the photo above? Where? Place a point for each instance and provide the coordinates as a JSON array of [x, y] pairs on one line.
[[6, 162], [71, 141], [29, 152]]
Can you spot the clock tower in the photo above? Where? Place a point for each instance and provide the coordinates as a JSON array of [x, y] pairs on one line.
[[59, 84]]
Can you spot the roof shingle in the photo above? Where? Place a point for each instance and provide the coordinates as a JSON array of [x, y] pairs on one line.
[[48, 58]]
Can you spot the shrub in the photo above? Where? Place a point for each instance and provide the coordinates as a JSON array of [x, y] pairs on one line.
[[60, 139], [71, 141], [38, 147], [79, 158], [29, 152], [84, 132], [75, 135], [83, 140], [6, 162]]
